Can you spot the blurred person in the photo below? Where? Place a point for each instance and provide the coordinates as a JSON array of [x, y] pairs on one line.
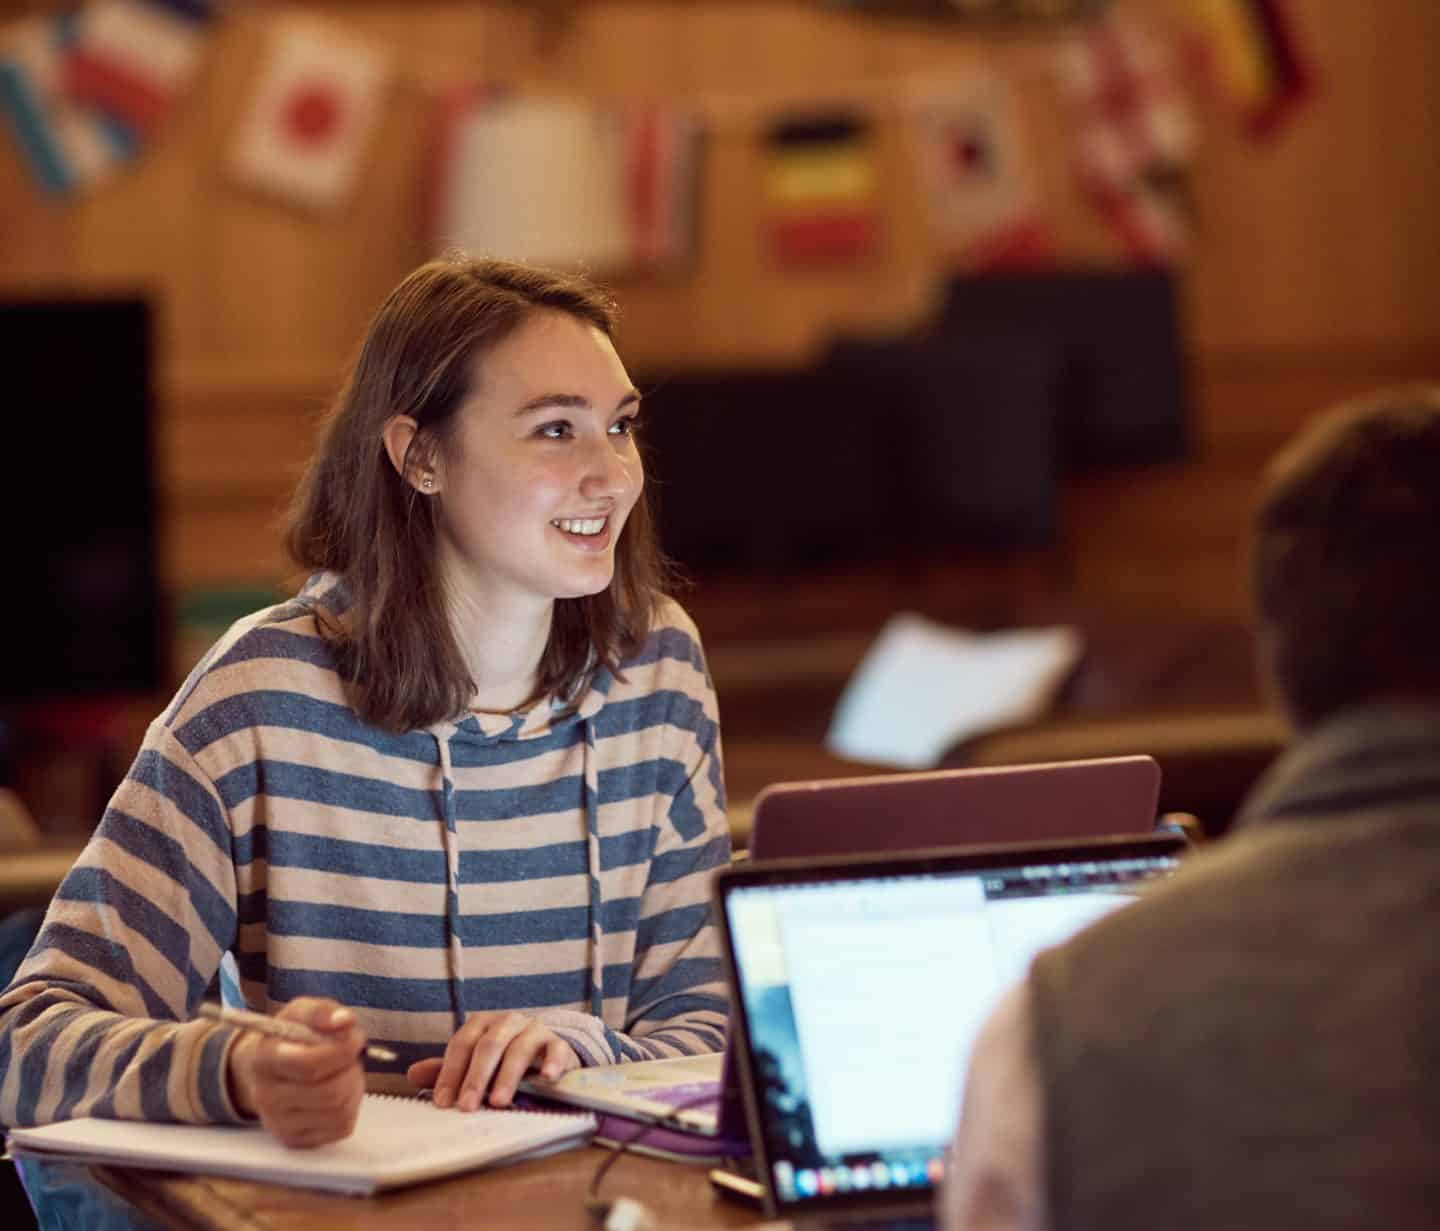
[[1257, 1042], [459, 796]]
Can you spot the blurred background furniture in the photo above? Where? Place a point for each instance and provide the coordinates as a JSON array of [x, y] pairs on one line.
[[1183, 691]]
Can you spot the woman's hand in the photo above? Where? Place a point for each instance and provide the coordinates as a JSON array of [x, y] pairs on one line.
[[305, 1094], [492, 1051]]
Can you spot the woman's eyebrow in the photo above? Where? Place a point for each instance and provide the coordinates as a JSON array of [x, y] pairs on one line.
[[570, 401]]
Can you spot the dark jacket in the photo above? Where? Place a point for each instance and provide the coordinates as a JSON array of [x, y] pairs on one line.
[[1279, 1067]]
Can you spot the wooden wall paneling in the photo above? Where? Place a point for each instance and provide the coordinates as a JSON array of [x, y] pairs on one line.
[[35, 235], [232, 458], [1326, 235], [748, 75], [1279, 221], [290, 284], [637, 54], [225, 542], [1316, 244]]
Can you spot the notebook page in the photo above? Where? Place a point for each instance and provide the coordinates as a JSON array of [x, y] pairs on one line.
[[396, 1141]]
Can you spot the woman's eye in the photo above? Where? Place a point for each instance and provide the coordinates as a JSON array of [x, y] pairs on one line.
[[627, 425], [559, 430]]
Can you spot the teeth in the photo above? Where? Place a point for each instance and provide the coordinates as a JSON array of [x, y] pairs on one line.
[[576, 525]]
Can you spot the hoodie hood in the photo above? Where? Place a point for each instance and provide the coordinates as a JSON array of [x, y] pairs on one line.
[[545, 717], [327, 594]]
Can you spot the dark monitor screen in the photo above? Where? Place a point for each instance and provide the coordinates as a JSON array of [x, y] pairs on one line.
[[1113, 338], [84, 613]]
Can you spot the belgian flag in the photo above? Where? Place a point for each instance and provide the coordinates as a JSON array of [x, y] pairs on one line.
[[820, 187]]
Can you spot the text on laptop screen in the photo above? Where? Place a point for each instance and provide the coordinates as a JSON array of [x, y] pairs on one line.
[[863, 998]]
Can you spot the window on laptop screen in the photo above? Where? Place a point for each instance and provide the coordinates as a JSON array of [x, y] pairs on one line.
[[863, 998]]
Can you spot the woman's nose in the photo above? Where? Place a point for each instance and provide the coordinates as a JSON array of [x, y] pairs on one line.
[[612, 472]]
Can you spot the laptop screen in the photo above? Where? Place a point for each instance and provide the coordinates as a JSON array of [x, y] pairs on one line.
[[863, 983]]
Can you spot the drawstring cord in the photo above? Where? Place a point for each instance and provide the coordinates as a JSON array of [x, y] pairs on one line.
[[592, 844], [452, 883]]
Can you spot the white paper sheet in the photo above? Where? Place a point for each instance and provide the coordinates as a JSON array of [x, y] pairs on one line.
[[923, 687]]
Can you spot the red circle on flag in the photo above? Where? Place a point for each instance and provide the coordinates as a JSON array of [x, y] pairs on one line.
[[311, 113], [969, 152]]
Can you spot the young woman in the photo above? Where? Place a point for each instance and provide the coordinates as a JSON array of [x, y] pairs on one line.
[[460, 796]]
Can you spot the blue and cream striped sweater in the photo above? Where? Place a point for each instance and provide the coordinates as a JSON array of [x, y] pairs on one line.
[[556, 864]]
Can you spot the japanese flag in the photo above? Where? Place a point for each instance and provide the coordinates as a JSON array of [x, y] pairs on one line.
[[304, 132]]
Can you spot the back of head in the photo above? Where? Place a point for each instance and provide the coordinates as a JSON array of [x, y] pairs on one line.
[[1345, 541]]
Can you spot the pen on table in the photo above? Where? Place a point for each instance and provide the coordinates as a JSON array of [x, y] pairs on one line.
[[278, 1028]]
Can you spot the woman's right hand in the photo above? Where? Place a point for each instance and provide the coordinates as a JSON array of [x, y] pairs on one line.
[[305, 1094]]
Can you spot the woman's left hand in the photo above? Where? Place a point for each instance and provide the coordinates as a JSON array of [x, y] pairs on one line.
[[492, 1051]]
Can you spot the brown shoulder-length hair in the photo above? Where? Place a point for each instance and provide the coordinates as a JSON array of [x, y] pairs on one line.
[[354, 515]]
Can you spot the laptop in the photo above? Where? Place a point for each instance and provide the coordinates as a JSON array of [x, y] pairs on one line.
[[872, 814], [861, 983], [1056, 800]]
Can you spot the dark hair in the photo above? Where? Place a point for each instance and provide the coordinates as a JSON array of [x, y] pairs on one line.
[[355, 515], [1345, 543]]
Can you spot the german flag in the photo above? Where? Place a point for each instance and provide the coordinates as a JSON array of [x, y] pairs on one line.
[[820, 188]]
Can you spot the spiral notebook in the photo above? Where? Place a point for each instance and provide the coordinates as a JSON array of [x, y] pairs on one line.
[[397, 1141]]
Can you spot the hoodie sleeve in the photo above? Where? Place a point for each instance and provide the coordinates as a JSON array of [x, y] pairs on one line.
[[678, 1003], [95, 1020]]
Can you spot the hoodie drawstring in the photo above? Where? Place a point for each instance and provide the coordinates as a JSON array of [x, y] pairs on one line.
[[452, 883], [592, 846]]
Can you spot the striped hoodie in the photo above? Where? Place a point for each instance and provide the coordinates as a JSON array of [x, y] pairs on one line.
[[553, 863]]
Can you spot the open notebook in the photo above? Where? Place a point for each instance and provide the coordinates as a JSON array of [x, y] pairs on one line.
[[397, 1141]]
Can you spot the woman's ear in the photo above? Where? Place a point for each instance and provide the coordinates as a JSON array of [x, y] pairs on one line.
[[400, 435]]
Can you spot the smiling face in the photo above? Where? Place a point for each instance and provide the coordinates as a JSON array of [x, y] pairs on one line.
[[542, 469]]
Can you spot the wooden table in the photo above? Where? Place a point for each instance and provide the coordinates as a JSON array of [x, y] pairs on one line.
[[539, 1195], [29, 875]]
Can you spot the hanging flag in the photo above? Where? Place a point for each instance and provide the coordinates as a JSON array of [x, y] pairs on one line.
[[978, 178], [566, 183], [310, 112], [1133, 135], [536, 180], [132, 58], [661, 167], [820, 188], [67, 147], [1249, 56]]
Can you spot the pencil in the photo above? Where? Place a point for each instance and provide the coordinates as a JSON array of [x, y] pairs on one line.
[[278, 1028]]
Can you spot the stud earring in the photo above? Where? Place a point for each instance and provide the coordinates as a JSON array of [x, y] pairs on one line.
[[428, 483]]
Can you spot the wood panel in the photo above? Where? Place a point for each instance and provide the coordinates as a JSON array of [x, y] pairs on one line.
[[1321, 237], [1325, 238], [1316, 268]]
